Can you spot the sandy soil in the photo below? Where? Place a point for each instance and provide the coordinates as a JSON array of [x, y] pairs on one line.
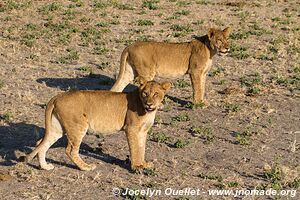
[[247, 138]]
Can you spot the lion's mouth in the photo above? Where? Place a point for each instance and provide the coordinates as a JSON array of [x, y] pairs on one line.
[[149, 108], [223, 52]]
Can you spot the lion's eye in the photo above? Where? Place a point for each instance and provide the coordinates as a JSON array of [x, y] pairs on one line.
[[144, 94], [155, 94]]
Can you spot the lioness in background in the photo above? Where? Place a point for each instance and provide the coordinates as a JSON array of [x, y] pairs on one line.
[[171, 60], [105, 112]]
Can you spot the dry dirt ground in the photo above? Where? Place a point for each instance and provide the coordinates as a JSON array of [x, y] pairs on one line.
[[247, 138]]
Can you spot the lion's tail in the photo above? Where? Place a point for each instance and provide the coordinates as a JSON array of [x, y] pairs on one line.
[[48, 117], [116, 86]]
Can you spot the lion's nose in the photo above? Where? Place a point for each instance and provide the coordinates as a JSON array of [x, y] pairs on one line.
[[149, 104]]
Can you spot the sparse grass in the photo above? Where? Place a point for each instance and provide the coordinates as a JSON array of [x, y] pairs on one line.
[[51, 7], [274, 177], [184, 117], [243, 138], [7, 116], [290, 81], [1, 84], [206, 133], [295, 183], [231, 107], [149, 172], [71, 57], [182, 12], [180, 144], [29, 40], [150, 4], [159, 137], [253, 82], [210, 177], [103, 65], [183, 3], [144, 22], [181, 84], [193, 106], [203, 2], [100, 50], [233, 184], [239, 52], [85, 69], [181, 30], [216, 72]]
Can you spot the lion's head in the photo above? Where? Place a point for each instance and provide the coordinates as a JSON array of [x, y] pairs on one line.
[[152, 93], [219, 39]]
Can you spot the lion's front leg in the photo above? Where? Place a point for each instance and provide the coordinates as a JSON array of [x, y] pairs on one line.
[[137, 146], [198, 83]]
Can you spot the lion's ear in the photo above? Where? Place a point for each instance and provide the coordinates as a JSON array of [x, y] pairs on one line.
[[166, 85], [141, 81], [211, 33], [227, 32]]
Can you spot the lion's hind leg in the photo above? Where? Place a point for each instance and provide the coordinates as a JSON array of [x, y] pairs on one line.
[[75, 135], [56, 132]]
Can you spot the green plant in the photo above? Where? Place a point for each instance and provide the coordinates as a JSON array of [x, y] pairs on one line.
[[85, 69], [144, 22], [100, 4], [6, 116], [242, 138], [230, 107], [183, 28], [100, 50], [150, 4], [1, 83], [181, 118], [194, 106], [205, 133], [71, 56], [210, 177], [159, 137], [274, 176], [181, 84], [182, 12], [239, 52], [232, 184], [216, 72], [182, 3], [295, 183], [180, 143], [51, 7], [29, 40], [103, 65], [203, 2], [149, 172]]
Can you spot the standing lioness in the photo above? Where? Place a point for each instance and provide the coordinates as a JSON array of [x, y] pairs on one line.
[[76, 112], [170, 60]]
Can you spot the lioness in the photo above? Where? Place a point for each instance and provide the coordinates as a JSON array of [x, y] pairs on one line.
[[170, 60], [76, 112]]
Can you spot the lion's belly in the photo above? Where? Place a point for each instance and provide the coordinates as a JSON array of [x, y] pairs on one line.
[[108, 123], [171, 70], [104, 129]]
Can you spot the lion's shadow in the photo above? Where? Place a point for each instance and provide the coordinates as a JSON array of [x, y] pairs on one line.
[[89, 82]]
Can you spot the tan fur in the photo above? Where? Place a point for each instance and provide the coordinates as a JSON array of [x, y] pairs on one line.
[[171, 60], [76, 112]]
